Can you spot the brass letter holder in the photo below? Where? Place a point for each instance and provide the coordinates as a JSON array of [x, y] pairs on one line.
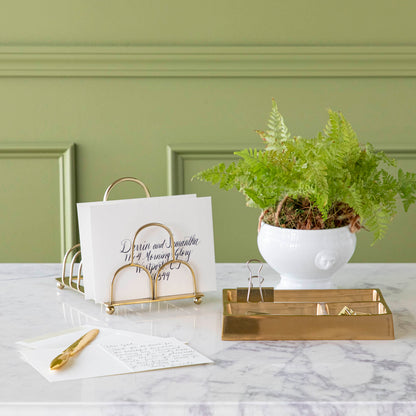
[[75, 280]]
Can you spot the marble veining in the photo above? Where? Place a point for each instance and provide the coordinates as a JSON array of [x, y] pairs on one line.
[[247, 378]]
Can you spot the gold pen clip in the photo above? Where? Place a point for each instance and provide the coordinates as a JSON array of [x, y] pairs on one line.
[[74, 348]]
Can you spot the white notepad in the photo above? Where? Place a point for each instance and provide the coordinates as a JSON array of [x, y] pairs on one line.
[[112, 352]]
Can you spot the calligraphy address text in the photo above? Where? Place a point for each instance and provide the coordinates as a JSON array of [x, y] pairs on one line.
[[153, 255]]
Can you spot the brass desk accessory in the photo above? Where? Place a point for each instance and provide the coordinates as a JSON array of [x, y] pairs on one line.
[[76, 347], [328, 314], [75, 280], [306, 315]]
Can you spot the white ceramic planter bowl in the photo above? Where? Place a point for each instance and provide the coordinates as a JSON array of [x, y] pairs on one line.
[[306, 259]]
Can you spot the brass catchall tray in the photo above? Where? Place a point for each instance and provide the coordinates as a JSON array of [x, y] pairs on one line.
[[327, 314]]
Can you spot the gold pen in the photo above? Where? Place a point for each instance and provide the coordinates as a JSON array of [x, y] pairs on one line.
[[74, 348]]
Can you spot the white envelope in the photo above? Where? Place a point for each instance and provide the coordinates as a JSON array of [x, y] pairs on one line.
[[107, 230], [84, 225]]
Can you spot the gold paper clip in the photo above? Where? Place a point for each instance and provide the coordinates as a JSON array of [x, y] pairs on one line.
[[252, 276], [348, 311]]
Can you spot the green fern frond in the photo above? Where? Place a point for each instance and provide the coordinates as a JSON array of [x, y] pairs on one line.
[[277, 132], [407, 187], [332, 128]]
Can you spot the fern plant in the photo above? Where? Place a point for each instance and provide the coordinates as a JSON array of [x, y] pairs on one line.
[[324, 182]]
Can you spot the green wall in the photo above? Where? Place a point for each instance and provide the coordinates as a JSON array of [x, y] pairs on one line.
[[162, 89]]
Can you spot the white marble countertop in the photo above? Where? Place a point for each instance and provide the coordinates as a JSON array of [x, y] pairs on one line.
[[247, 378]]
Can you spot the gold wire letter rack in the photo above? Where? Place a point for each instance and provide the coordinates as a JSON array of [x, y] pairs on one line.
[[75, 280]]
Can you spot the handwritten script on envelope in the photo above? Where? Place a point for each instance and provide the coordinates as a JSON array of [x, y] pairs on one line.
[[107, 231]]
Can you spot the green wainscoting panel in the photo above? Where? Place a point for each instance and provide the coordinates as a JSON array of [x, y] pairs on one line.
[[37, 222], [235, 225], [123, 125]]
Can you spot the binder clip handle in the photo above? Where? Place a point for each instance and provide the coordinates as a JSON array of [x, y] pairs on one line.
[[251, 266], [254, 275]]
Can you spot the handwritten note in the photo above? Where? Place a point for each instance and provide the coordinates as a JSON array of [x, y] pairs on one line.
[[112, 352], [156, 355]]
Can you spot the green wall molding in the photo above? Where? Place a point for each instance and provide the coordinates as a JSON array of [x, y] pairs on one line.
[[207, 61], [178, 154], [65, 155]]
